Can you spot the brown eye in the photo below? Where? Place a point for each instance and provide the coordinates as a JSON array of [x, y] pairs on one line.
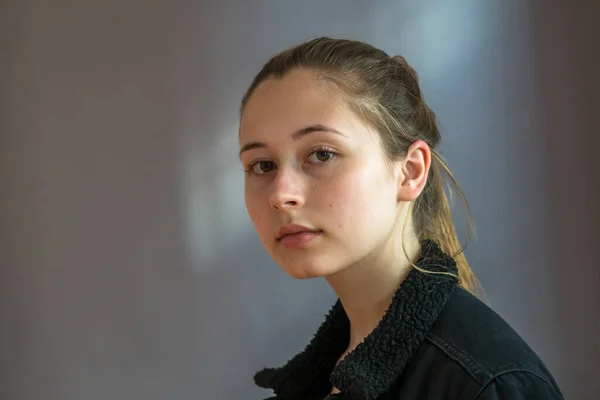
[[262, 167], [321, 156]]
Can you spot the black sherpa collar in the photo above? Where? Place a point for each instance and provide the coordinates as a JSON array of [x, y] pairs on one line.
[[374, 365]]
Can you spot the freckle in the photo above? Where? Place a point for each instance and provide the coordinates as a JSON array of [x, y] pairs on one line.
[[330, 205]]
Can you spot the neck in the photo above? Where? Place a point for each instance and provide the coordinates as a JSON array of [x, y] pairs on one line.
[[366, 289]]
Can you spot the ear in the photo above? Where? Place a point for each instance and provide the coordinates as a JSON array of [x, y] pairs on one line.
[[413, 171]]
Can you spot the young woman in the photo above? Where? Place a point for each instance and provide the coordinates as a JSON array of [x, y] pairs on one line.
[[343, 182]]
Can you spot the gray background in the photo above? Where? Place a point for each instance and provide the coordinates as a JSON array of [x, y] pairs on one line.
[[128, 267]]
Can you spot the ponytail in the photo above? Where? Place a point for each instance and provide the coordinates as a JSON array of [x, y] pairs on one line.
[[440, 226]]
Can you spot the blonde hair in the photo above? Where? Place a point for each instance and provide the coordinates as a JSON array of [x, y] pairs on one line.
[[385, 93]]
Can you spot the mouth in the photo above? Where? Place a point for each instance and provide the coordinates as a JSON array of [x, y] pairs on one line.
[[295, 236]]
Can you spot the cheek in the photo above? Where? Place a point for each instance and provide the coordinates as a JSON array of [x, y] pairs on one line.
[[256, 209], [362, 201], [253, 206]]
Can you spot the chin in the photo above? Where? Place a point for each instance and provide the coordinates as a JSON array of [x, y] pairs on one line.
[[303, 273], [305, 268]]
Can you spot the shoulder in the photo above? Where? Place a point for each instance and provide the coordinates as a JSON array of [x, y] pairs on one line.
[[484, 347]]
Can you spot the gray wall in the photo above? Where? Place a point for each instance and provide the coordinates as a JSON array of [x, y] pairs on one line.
[[128, 267]]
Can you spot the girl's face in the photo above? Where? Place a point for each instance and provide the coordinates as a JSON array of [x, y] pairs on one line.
[[314, 168]]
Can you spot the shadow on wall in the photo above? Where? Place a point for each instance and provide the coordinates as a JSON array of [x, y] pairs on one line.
[[567, 83], [96, 297]]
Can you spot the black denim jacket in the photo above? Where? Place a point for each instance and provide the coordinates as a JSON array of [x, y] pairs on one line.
[[436, 341]]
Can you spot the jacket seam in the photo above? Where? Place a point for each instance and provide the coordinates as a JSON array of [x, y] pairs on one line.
[[471, 366], [512, 371], [468, 364]]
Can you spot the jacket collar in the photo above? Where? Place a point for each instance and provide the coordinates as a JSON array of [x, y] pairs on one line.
[[373, 366]]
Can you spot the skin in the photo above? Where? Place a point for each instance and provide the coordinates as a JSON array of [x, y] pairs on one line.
[[340, 183]]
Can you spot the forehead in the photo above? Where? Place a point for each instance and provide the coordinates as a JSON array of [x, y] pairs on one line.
[[288, 103]]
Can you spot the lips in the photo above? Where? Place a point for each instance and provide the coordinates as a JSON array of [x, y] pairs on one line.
[[294, 235], [292, 229]]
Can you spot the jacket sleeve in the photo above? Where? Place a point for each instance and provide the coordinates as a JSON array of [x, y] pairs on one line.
[[520, 385]]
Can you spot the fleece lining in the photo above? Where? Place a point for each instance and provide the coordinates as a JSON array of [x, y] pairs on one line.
[[374, 365]]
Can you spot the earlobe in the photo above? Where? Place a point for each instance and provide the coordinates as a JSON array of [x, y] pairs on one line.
[[414, 171]]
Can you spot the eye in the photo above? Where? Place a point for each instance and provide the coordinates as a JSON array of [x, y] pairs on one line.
[[321, 156], [260, 167]]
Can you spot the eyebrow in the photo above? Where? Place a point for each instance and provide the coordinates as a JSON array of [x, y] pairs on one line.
[[296, 136]]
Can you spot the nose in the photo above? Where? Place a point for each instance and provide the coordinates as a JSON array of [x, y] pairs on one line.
[[286, 191]]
